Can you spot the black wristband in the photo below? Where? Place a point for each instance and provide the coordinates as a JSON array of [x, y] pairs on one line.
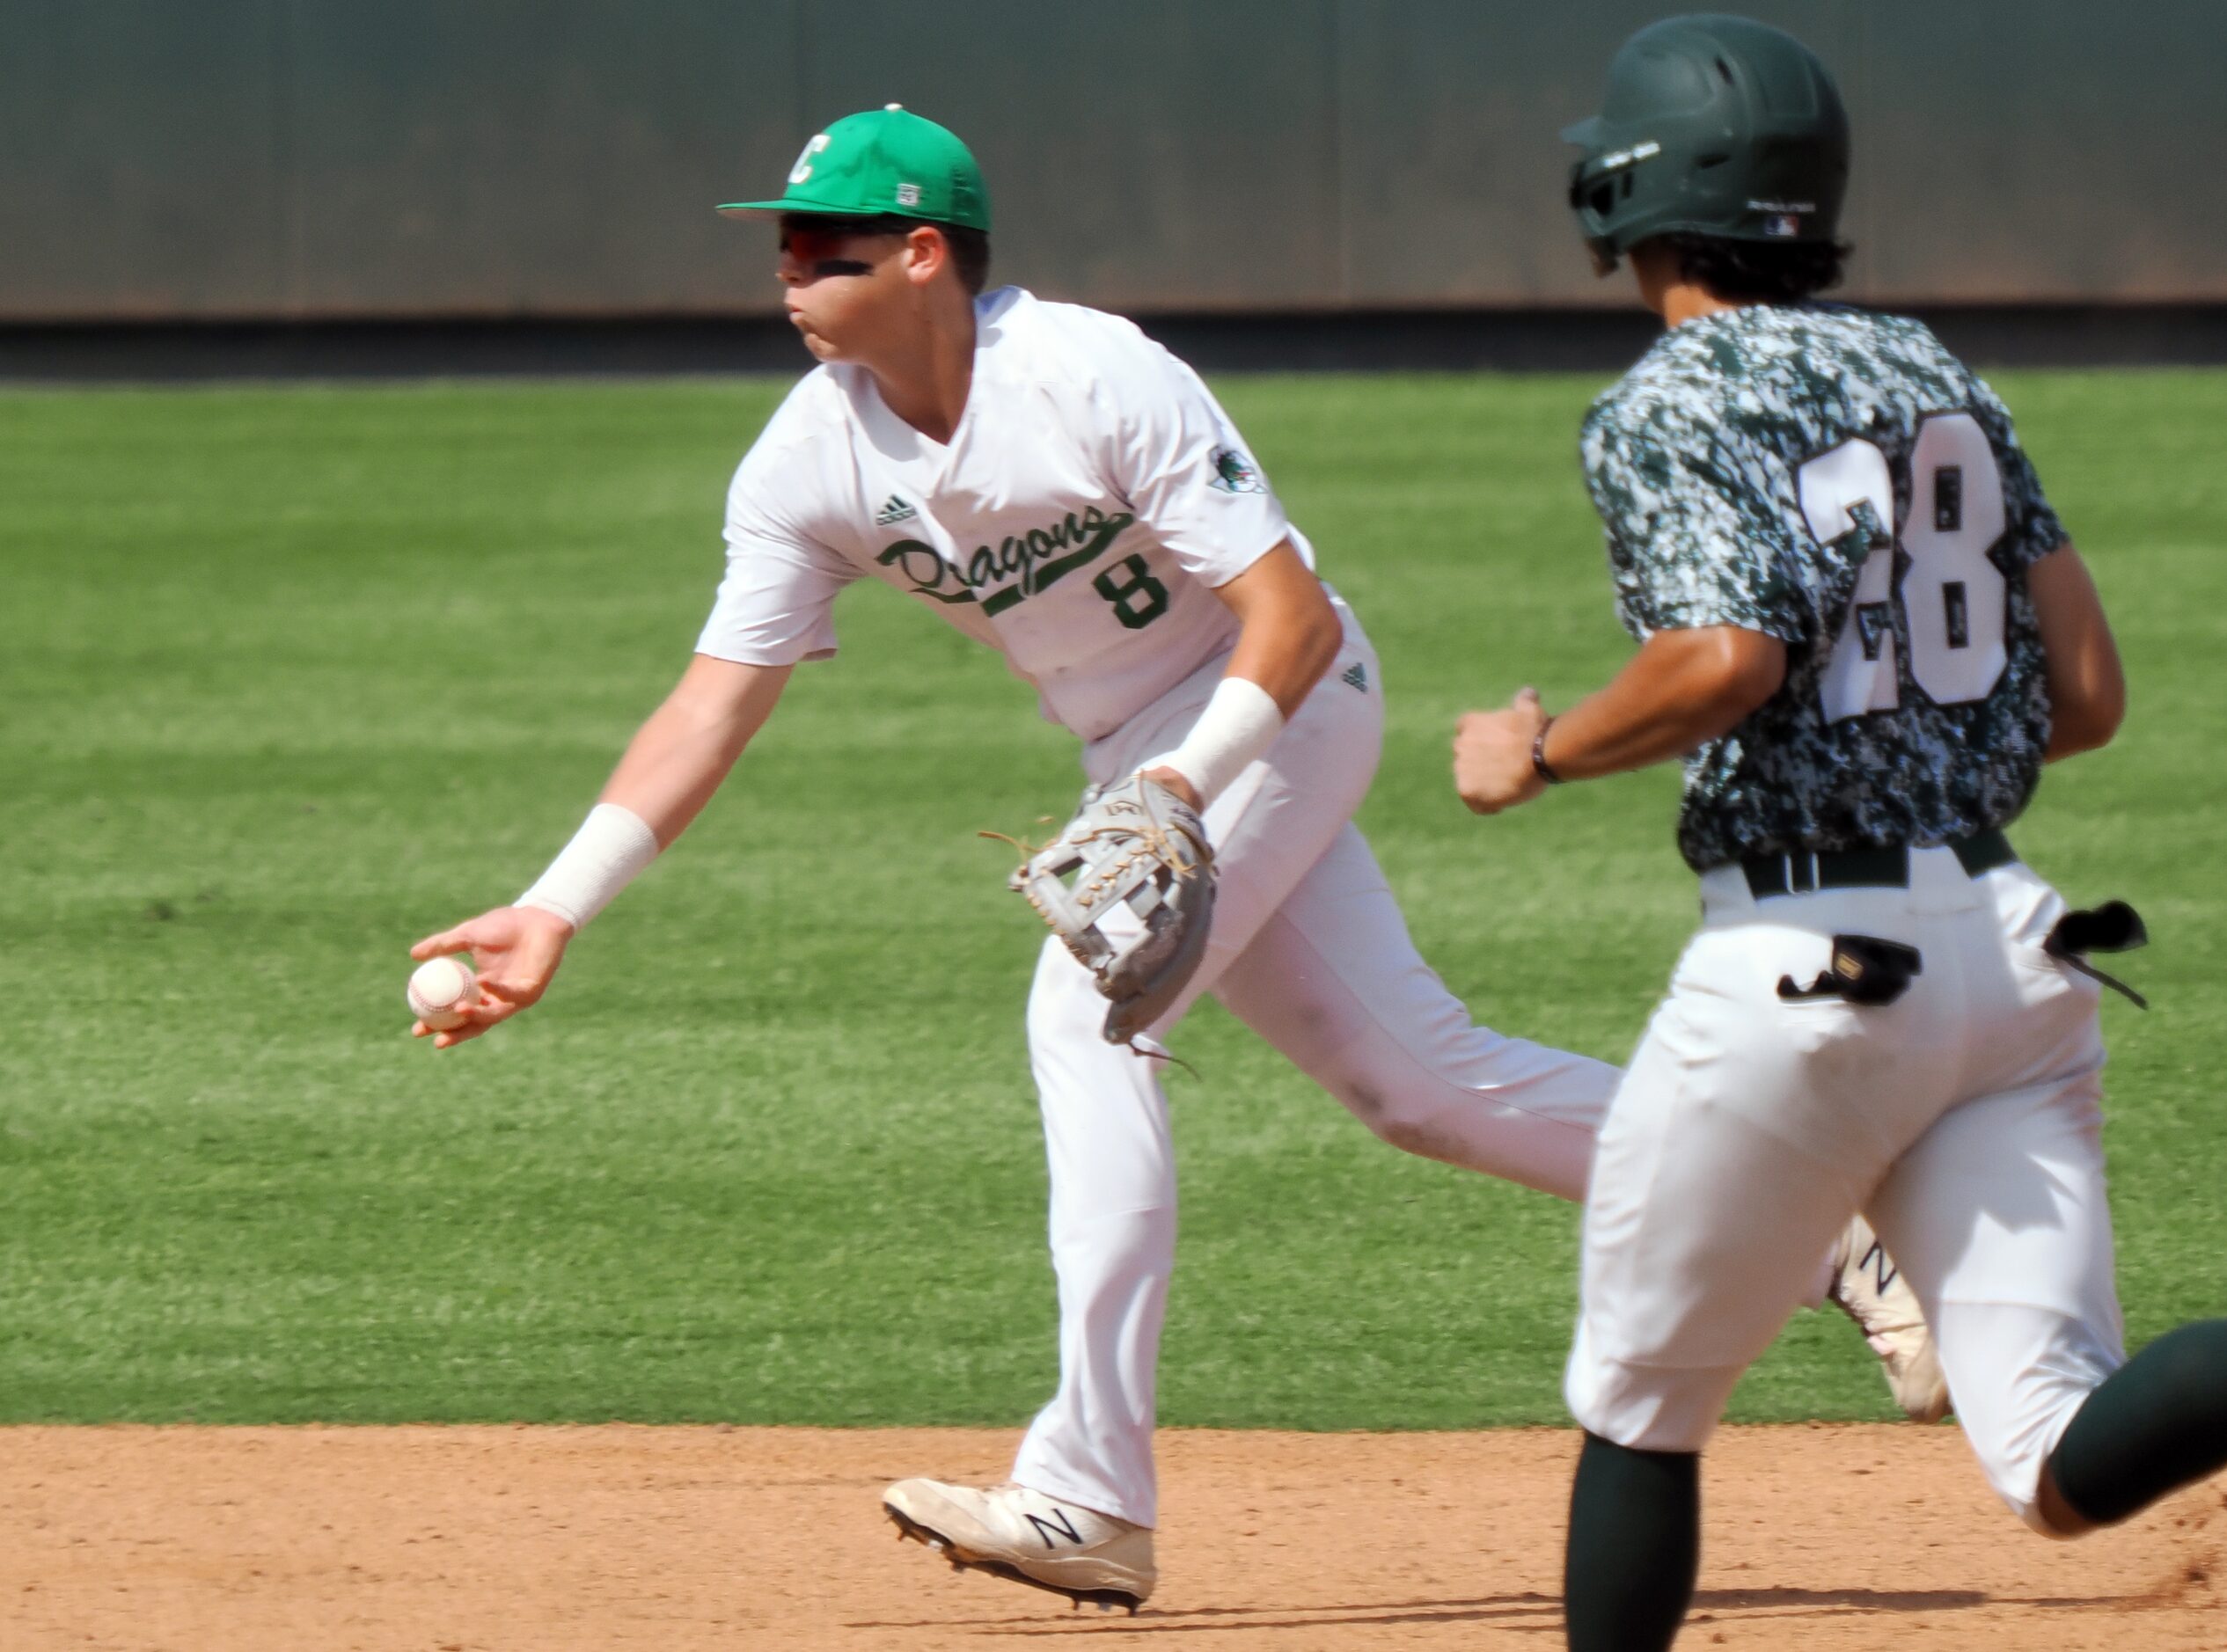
[[1539, 766]]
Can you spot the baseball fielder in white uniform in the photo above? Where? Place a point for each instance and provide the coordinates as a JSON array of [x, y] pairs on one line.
[[1059, 487]]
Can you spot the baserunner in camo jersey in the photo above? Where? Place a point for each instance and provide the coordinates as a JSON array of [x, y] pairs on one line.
[[1865, 629]]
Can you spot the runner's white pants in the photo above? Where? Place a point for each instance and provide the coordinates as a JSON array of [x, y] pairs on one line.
[[1308, 948], [1964, 1118]]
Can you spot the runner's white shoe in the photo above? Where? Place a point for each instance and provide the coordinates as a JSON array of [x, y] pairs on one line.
[[1014, 1533], [1870, 1289]]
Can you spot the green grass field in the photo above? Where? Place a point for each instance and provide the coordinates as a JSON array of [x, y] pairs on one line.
[[292, 676]]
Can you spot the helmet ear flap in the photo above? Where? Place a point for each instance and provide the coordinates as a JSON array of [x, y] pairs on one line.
[[1593, 198]]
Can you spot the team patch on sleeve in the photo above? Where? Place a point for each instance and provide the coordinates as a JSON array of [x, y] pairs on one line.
[[1234, 474]]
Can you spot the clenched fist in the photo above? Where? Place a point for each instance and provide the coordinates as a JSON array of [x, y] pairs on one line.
[[1492, 754]]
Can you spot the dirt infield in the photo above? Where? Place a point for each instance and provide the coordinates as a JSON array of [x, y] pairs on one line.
[[493, 1539]]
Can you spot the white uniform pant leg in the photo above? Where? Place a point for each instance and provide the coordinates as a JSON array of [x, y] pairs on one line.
[[1700, 1233], [1333, 980], [1999, 1214], [1105, 1116], [1113, 1246], [1746, 1132]]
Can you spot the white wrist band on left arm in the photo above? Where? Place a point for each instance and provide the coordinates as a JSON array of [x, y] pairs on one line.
[[609, 850], [1235, 730]]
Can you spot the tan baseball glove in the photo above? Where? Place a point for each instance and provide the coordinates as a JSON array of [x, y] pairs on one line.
[[1133, 848]]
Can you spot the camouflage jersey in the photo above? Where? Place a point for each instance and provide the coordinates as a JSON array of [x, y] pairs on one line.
[[1752, 471]]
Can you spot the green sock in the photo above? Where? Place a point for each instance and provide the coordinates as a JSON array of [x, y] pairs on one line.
[[1635, 1547], [2155, 1424]]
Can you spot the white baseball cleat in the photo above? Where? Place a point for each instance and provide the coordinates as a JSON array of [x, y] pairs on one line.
[[1870, 1289], [1014, 1533]]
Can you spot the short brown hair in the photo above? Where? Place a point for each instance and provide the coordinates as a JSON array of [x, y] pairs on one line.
[[970, 255]]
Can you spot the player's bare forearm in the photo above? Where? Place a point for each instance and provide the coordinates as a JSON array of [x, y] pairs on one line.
[[1289, 634], [685, 749], [2080, 659], [1682, 689], [671, 767]]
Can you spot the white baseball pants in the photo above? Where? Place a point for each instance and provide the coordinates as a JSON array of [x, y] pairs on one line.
[[1308, 948], [1963, 1119]]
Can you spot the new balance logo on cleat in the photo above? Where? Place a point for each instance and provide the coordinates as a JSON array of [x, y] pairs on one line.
[[1057, 1521], [1355, 676], [893, 513], [1027, 1536], [1883, 1271]]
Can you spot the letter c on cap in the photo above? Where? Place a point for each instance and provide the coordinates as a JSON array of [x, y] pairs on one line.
[[802, 170]]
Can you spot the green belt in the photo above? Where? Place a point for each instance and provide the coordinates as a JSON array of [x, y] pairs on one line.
[[1807, 871]]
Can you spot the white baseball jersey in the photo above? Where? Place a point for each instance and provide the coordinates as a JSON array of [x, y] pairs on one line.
[[1090, 499]]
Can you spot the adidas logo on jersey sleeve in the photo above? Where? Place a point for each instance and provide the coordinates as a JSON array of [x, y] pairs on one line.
[[893, 513]]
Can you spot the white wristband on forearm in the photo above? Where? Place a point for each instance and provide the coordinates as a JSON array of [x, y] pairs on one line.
[[1237, 727], [607, 853]]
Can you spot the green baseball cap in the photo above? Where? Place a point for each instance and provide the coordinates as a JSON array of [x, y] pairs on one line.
[[887, 160]]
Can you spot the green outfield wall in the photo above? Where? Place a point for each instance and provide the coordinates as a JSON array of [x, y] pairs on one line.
[[324, 158]]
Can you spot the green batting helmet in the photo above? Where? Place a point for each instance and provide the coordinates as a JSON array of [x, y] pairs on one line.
[[1716, 125]]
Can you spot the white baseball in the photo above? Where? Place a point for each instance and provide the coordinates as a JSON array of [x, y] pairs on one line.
[[440, 989]]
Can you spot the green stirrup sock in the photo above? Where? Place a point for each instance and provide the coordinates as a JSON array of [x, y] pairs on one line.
[[2155, 1424], [1635, 1547]]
